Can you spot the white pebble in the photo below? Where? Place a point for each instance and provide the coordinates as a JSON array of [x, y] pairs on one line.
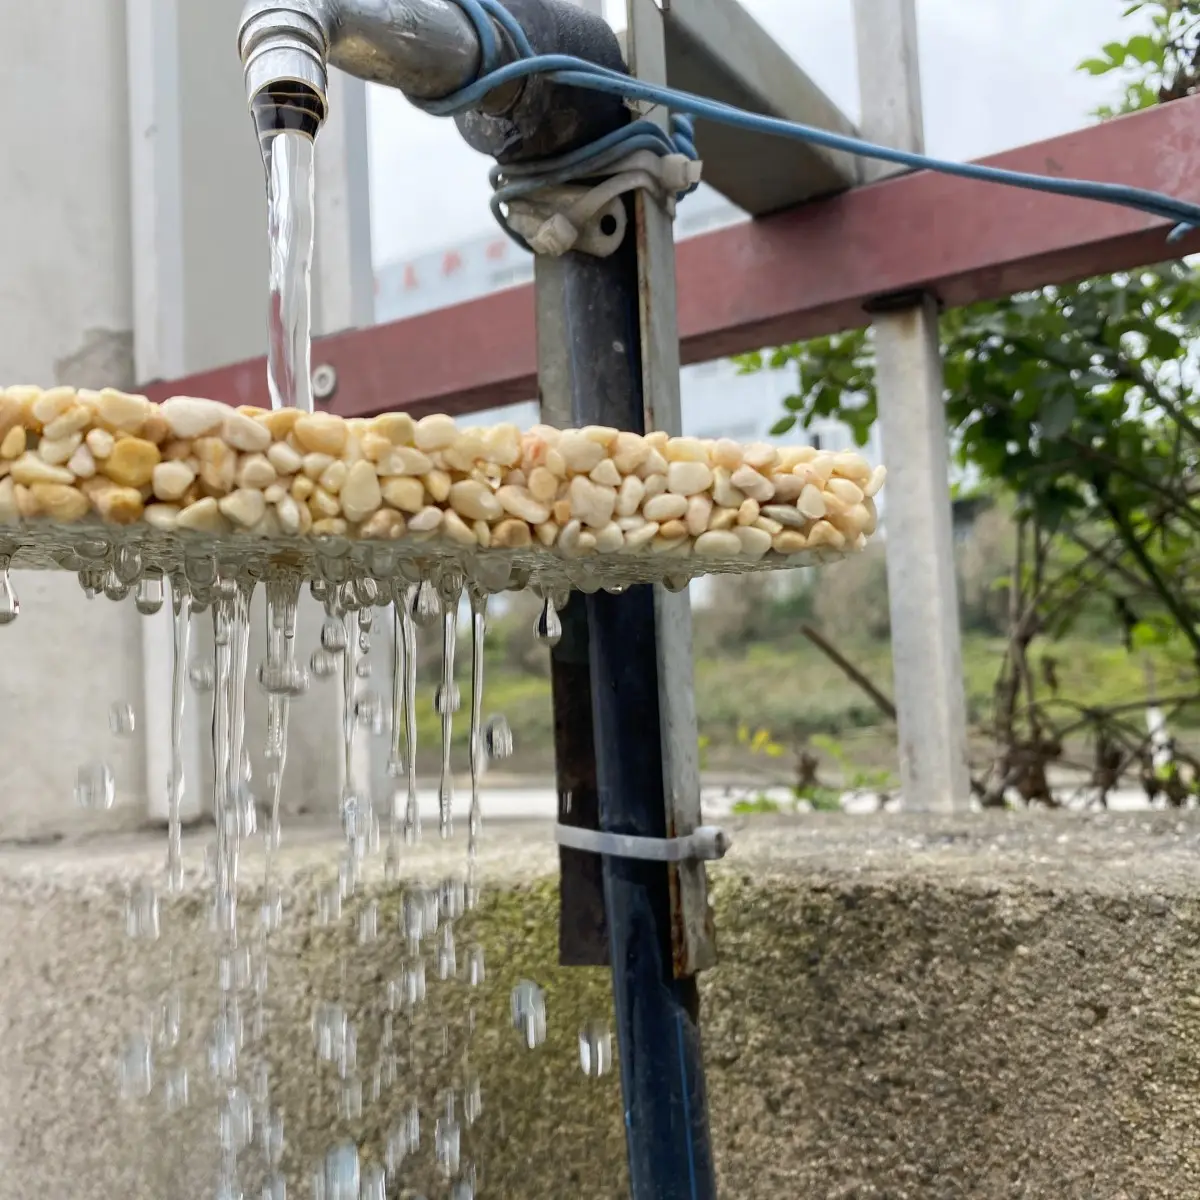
[[688, 478], [667, 507], [718, 544]]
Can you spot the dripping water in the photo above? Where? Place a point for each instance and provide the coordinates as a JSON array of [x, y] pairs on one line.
[[287, 117], [181, 639], [479, 600], [408, 633], [10, 606], [450, 589]]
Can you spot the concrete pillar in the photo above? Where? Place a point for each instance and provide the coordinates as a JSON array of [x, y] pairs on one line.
[[927, 650]]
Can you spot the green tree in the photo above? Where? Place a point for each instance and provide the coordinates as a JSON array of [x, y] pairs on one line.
[[1077, 407]]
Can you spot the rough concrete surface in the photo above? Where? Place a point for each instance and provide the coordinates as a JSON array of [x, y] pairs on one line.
[[984, 1006]]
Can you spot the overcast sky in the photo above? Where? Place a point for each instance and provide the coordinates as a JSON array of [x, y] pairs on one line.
[[995, 74]]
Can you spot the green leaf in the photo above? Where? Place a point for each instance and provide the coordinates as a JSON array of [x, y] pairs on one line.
[[1145, 49], [783, 425], [1096, 66], [1116, 53]]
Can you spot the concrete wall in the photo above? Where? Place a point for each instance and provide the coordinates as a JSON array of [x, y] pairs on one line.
[[905, 1007]]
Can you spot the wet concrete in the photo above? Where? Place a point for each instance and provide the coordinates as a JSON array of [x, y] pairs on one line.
[[984, 1006]]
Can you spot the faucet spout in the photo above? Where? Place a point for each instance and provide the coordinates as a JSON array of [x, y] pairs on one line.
[[284, 47]]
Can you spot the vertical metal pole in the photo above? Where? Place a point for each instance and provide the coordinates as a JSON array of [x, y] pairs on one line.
[[926, 642]]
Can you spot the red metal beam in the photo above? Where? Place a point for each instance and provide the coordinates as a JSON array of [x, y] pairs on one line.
[[803, 273]]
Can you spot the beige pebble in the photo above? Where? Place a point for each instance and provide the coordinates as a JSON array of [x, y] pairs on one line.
[[57, 453], [288, 512], [14, 443], [275, 492], [819, 470], [851, 466], [119, 505], [787, 516], [771, 526], [246, 434], [787, 488], [81, 464], [426, 521], [74, 420], [560, 511], [856, 520], [502, 444], [655, 464], [511, 534], [375, 446], [790, 457], [60, 501], [606, 473], [629, 452], [547, 533], [437, 484], [192, 417], [316, 464], [724, 493], [748, 512], [284, 459], [164, 517], [29, 469], [361, 494], [699, 512], [630, 496], [463, 454], [847, 492], [825, 534], [543, 485], [761, 456], [653, 485], [322, 504], [453, 527], [569, 538], [639, 539], [302, 488], [172, 480], [475, 501], [436, 432], [122, 411], [9, 513], [333, 478], [755, 542], [872, 516], [757, 487], [811, 502], [608, 540], [281, 422], [667, 507], [100, 442], [580, 453], [520, 503], [675, 546], [245, 507], [405, 493], [331, 527], [875, 482], [592, 503], [255, 471], [397, 428], [52, 403], [689, 478], [671, 530], [727, 454], [404, 460], [218, 465], [718, 543], [320, 433], [723, 518], [789, 542], [686, 449], [383, 524], [27, 506]]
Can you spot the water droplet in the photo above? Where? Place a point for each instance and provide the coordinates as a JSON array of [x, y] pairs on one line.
[[271, 1136], [141, 912], [114, 587], [447, 1141], [362, 668], [447, 956], [274, 1188], [150, 594], [136, 1068], [170, 1020], [342, 1172], [409, 990], [448, 699], [463, 1189], [10, 606], [270, 915], [121, 719], [235, 1121], [200, 675], [595, 1049], [352, 1098], [473, 1099], [368, 923], [548, 628], [323, 664], [283, 679], [405, 1137], [368, 712], [677, 583], [95, 787], [364, 636], [374, 1183], [329, 906], [333, 636], [528, 1003], [176, 1089], [476, 974], [452, 898], [223, 1042], [497, 739], [427, 606], [127, 566]]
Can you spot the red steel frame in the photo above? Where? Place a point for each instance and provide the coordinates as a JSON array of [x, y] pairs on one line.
[[809, 271]]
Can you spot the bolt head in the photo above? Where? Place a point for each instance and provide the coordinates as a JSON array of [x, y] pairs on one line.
[[324, 382]]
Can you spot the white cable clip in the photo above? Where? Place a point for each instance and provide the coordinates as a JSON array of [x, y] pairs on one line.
[[708, 843]]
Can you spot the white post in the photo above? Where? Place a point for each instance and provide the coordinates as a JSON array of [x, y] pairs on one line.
[[926, 643]]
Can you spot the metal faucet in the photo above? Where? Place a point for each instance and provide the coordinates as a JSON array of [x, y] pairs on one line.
[[429, 49]]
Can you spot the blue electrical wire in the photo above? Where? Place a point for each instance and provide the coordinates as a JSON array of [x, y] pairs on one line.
[[513, 181]]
